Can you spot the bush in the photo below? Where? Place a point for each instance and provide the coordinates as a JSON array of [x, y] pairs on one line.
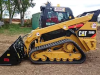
[[6, 21], [28, 23]]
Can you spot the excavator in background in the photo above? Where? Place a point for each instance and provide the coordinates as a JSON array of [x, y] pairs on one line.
[[61, 38]]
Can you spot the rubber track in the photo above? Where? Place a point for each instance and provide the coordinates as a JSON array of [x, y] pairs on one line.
[[40, 48]]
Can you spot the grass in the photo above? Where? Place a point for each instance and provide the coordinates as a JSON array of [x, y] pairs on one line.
[[12, 29]]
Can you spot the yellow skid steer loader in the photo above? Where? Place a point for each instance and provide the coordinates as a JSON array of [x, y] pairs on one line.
[[61, 38]]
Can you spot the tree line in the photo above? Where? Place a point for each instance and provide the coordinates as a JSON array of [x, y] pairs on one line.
[[14, 6]]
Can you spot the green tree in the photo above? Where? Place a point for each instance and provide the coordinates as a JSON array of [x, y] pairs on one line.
[[22, 6], [2, 7], [11, 7]]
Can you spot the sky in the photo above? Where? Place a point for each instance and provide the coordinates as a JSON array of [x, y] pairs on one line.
[[77, 6]]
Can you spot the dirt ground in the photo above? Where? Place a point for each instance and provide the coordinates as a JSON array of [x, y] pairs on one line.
[[90, 67]]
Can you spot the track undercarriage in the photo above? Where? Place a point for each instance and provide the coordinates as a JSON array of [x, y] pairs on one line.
[[62, 51]]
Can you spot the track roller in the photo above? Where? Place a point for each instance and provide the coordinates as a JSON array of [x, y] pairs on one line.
[[58, 59], [51, 59], [44, 58], [34, 57], [64, 59]]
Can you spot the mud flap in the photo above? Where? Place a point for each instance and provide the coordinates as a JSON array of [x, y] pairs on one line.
[[15, 53]]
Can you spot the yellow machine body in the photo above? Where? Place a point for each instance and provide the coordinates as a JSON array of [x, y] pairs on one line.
[[65, 41], [65, 51]]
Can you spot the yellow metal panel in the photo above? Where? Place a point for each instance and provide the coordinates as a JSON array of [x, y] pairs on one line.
[[84, 44], [91, 43]]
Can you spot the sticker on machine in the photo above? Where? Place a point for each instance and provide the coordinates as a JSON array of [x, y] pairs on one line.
[[59, 9], [94, 25], [86, 33]]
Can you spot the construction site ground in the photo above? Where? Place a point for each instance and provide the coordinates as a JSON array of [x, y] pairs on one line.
[[90, 67]]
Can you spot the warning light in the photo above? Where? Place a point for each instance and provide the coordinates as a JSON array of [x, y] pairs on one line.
[[70, 17], [58, 5], [6, 59]]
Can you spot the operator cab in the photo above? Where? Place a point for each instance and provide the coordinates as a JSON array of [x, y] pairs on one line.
[[53, 15]]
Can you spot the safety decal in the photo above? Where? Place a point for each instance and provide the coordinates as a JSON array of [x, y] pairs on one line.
[[86, 33], [94, 25], [59, 9]]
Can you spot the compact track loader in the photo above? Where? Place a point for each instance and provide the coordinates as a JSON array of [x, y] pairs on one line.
[[61, 38]]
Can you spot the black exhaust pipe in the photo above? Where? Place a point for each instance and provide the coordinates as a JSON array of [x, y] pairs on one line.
[[15, 53]]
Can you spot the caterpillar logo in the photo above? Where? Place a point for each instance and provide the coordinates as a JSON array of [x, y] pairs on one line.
[[86, 33], [82, 33]]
